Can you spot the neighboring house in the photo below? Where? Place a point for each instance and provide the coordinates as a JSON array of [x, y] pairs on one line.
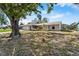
[[47, 26]]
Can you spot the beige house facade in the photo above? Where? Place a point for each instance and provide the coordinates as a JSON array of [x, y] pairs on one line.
[[46, 26]]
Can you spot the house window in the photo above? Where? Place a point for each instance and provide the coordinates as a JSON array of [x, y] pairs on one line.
[[53, 27]]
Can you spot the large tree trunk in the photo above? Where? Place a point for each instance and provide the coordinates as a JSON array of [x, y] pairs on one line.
[[15, 28]]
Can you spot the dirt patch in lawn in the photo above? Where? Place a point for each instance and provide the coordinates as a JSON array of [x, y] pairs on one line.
[[40, 44]]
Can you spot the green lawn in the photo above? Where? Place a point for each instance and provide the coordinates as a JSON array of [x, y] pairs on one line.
[[5, 30]]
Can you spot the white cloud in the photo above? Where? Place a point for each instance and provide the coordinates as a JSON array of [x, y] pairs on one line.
[[61, 4], [57, 16], [28, 19], [68, 4], [76, 7], [73, 6]]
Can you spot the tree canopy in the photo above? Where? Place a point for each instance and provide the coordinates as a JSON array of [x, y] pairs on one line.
[[20, 10], [16, 11]]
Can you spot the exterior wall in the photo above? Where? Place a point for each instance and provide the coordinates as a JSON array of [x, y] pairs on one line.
[[46, 27], [60, 26], [55, 27], [26, 28]]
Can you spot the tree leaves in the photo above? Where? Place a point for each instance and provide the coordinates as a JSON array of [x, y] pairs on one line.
[[49, 8], [20, 10]]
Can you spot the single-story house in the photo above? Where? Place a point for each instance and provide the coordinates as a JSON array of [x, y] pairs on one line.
[[47, 26]]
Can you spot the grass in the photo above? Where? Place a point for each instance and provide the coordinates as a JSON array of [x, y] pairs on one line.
[[5, 30]]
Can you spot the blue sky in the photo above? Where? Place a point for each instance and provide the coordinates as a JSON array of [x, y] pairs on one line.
[[65, 13]]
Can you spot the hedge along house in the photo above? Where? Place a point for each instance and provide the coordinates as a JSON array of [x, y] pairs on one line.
[[45, 26]]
